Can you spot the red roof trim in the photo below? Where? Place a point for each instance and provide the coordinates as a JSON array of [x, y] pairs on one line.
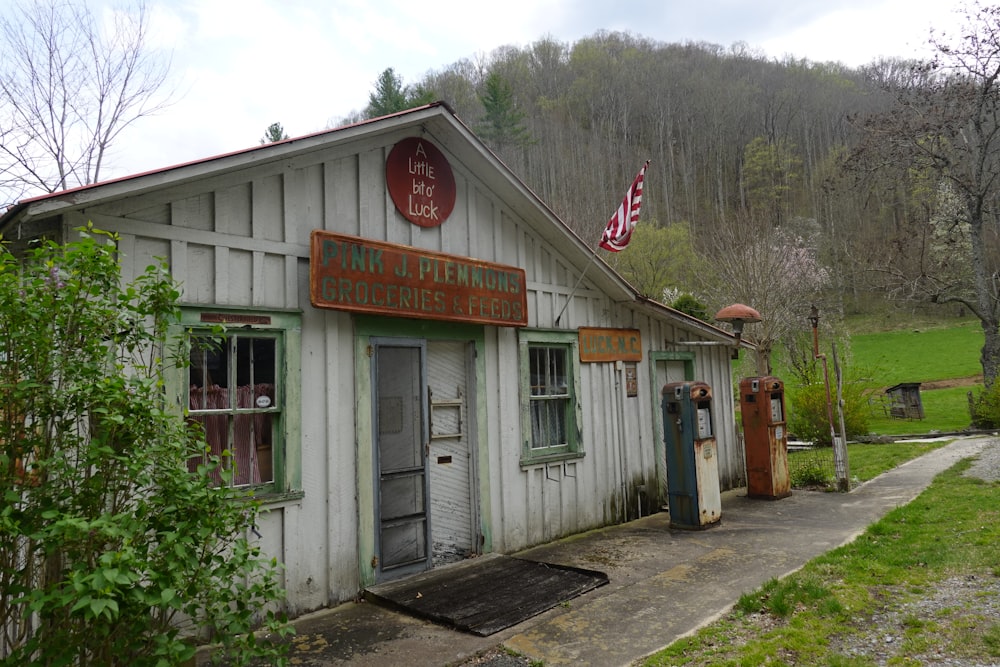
[[243, 151]]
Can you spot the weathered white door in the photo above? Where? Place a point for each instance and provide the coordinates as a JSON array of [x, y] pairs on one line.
[[451, 460]]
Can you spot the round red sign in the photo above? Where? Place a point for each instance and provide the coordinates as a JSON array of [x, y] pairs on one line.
[[420, 182]]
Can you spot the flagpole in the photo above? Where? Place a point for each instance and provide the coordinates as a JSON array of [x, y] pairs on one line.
[[618, 231], [575, 287]]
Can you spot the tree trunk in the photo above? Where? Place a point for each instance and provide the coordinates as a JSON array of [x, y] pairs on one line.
[[986, 304], [990, 356]]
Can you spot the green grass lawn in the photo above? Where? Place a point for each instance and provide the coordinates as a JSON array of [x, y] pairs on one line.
[[945, 410], [865, 460], [922, 354], [809, 618]]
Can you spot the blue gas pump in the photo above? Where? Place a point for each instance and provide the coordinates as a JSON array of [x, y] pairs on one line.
[[693, 495]]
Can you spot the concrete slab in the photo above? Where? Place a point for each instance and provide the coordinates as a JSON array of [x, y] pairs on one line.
[[663, 583]]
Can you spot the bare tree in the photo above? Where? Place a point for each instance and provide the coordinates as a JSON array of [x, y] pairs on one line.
[[945, 128], [69, 85]]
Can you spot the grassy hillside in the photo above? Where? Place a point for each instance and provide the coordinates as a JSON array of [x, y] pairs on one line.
[[920, 355], [944, 359]]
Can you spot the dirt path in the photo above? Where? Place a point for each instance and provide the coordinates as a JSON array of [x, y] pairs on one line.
[[954, 382]]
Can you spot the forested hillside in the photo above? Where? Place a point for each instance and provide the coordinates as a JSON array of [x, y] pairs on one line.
[[780, 184], [729, 132]]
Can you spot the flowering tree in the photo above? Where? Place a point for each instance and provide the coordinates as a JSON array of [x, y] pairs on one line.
[[111, 551], [773, 270]]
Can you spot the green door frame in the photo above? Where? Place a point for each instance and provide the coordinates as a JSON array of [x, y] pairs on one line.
[[365, 328]]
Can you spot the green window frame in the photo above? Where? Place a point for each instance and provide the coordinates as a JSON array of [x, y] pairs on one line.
[[549, 365], [243, 386]]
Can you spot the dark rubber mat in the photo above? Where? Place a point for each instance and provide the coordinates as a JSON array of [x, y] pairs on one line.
[[485, 595]]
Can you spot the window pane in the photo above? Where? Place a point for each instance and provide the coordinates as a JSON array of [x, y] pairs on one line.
[[209, 373], [537, 357], [236, 376], [548, 368], [548, 422], [557, 371]]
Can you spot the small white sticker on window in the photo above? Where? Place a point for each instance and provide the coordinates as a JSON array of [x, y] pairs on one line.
[[263, 401]]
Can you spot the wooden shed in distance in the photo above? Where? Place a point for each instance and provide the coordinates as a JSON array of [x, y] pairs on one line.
[[904, 401]]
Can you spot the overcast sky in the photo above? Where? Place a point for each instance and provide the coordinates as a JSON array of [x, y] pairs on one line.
[[240, 65]]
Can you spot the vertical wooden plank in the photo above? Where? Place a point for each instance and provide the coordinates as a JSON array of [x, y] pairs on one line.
[[363, 460], [510, 496], [341, 196], [267, 214], [239, 277], [374, 218], [291, 285], [270, 526], [257, 284], [464, 216], [221, 277], [126, 257], [233, 210], [178, 263], [199, 281]]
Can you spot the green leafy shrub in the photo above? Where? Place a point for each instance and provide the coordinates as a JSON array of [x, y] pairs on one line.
[[807, 473], [986, 408], [111, 551], [686, 303], [808, 416]]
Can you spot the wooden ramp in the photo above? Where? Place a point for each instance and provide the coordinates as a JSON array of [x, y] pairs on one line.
[[487, 594]]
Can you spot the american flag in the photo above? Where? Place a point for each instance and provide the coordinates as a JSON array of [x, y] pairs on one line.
[[619, 230]]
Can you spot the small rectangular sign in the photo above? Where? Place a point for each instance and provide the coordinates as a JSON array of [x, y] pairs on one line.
[[365, 276], [631, 380], [598, 345], [235, 318]]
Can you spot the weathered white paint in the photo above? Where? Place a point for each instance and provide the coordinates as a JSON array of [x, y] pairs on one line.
[[235, 231]]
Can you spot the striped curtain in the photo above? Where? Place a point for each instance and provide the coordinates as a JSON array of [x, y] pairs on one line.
[[250, 431]]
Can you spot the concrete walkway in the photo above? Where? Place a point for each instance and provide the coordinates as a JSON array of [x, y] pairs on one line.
[[664, 583]]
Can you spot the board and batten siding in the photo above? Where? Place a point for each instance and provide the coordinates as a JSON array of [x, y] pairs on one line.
[[240, 239]]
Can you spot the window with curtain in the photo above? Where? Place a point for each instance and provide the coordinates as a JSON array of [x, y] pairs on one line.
[[550, 396], [549, 406], [234, 394]]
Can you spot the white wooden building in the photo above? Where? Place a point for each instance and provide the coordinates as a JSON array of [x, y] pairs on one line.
[[414, 371]]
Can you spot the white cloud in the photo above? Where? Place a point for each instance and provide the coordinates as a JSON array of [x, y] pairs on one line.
[[244, 64]]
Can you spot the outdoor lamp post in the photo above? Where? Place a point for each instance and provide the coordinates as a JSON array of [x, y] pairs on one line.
[[738, 315]]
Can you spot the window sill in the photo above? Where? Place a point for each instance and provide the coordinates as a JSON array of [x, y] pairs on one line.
[[545, 459], [273, 500]]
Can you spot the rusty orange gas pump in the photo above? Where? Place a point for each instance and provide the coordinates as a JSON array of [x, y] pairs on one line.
[[765, 436]]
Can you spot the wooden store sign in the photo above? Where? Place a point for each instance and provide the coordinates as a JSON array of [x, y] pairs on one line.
[[610, 344], [365, 276], [420, 182]]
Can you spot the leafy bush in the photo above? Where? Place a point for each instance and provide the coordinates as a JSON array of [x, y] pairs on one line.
[[986, 408], [111, 551], [808, 417], [686, 303], [809, 473]]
